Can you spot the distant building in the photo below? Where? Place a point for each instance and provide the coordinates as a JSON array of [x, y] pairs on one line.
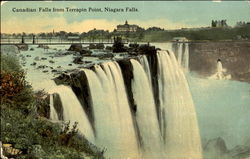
[[219, 23], [127, 27]]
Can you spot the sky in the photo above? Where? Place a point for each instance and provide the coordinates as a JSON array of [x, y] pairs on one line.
[[163, 14]]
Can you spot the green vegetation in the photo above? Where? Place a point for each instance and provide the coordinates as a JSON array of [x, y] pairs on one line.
[[25, 128], [199, 34]]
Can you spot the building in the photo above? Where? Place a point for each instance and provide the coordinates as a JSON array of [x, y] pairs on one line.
[[127, 27]]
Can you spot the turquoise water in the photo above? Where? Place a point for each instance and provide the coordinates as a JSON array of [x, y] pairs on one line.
[[223, 109]]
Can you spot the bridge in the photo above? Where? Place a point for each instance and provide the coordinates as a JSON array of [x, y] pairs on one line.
[[54, 41]]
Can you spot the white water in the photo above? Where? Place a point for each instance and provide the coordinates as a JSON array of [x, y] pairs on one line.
[[180, 129], [180, 52], [219, 70], [146, 116], [177, 135], [53, 115], [113, 119], [144, 62], [185, 62], [73, 111], [221, 73], [183, 55]]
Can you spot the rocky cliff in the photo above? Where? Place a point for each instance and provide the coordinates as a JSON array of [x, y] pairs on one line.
[[234, 56]]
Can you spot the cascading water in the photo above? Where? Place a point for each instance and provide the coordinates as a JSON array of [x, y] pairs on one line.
[[219, 70], [183, 55], [221, 73], [186, 58], [146, 116], [180, 129], [73, 111], [53, 114], [113, 119], [144, 62], [180, 53], [140, 133]]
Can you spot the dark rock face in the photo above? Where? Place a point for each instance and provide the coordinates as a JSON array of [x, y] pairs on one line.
[[106, 56], [85, 52], [127, 72], [75, 47], [78, 60], [80, 86], [58, 105], [63, 79], [152, 60], [234, 56], [146, 49], [118, 45], [134, 45]]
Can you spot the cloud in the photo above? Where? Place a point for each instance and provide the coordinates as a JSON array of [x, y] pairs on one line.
[[48, 24]]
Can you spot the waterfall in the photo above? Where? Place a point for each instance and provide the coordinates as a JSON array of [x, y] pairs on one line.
[[219, 70], [182, 55], [129, 120], [219, 67], [185, 63], [144, 62], [180, 129], [53, 115], [74, 112], [113, 119], [221, 73], [146, 116]]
